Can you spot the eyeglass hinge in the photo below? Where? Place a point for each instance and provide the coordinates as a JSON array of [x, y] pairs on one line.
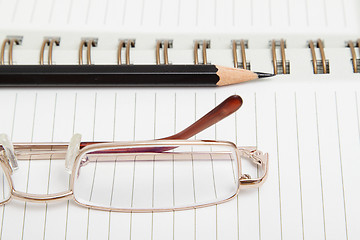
[[258, 158], [255, 155]]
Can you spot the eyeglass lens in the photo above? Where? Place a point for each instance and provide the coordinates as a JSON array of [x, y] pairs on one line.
[[183, 177], [4, 187]]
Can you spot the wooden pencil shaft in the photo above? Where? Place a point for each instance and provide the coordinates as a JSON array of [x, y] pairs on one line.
[[123, 75], [108, 75]]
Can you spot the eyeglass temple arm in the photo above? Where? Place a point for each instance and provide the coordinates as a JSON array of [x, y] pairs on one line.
[[258, 158], [224, 109]]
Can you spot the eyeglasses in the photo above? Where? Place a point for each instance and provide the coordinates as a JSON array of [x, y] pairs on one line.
[[143, 176]]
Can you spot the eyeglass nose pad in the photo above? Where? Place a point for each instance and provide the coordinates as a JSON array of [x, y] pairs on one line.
[[9, 151], [72, 152]]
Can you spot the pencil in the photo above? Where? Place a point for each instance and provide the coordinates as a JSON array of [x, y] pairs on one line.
[[124, 75]]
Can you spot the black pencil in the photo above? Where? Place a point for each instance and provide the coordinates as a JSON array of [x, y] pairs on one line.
[[124, 75]]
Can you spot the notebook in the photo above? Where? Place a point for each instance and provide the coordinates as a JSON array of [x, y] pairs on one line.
[[308, 123]]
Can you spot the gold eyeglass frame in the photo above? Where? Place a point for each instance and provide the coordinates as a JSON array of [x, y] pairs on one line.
[[59, 151]]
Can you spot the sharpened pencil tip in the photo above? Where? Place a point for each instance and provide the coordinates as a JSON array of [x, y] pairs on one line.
[[264, 75]]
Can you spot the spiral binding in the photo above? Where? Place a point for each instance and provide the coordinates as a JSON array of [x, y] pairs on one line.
[[205, 44], [278, 47], [280, 66], [48, 41], [243, 44], [320, 66], [355, 61], [88, 43], [165, 44], [127, 43], [9, 40]]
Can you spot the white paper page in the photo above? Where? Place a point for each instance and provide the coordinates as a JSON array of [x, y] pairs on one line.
[[311, 133], [309, 124], [268, 16], [311, 136]]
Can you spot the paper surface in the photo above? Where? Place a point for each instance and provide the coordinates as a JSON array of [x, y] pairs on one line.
[[312, 139], [271, 16], [309, 124]]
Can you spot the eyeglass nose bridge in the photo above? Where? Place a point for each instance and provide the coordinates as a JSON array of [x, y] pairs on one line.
[[8, 148], [72, 152]]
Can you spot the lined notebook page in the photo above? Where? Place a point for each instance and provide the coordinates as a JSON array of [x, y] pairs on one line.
[[312, 138], [309, 124], [271, 16]]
